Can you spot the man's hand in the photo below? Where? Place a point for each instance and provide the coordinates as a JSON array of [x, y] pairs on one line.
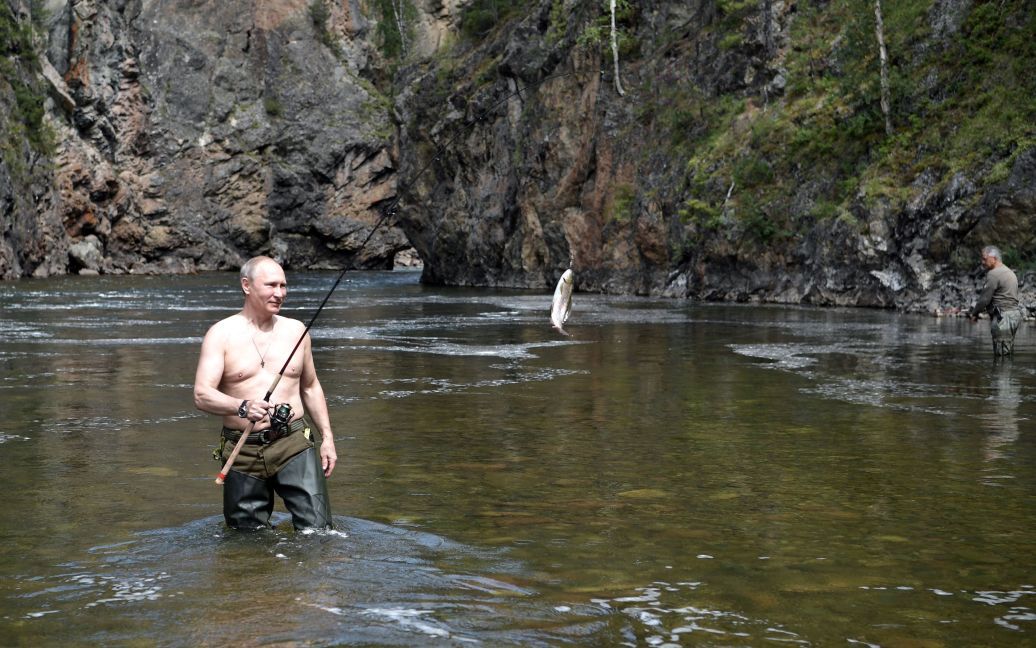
[[328, 456], [258, 410]]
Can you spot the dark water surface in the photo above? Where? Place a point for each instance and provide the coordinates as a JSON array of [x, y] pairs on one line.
[[672, 474]]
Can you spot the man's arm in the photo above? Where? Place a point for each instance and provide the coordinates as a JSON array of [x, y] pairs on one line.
[[316, 407], [208, 376], [985, 298]]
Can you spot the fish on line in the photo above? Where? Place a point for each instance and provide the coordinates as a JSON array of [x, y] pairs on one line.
[[561, 307]]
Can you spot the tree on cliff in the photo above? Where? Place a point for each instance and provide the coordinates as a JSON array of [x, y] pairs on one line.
[[879, 28], [615, 49]]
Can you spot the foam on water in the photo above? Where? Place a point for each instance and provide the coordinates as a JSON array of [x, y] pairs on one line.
[[77, 304], [1007, 613], [880, 369], [880, 393], [121, 342], [659, 615], [425, 386], [411, 620], [784, 356], [12, 331], [107, 424], [505, 351]]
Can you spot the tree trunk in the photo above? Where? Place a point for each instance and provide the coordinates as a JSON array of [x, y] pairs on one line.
[[768, 27], [883, 55], [397, 8], [615, 53]]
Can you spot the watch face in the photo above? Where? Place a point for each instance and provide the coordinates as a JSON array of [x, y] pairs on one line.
[[243, 410]]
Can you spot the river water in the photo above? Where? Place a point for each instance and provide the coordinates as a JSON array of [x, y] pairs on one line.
[[673, 473]]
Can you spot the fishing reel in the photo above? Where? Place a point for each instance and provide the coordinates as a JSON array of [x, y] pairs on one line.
[[280, 418]]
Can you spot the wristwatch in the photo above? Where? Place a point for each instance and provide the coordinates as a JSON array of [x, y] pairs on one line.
[[242, 410]]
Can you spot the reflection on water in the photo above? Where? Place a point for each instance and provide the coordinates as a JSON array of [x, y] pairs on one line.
[[672, 474], [1002, 422]]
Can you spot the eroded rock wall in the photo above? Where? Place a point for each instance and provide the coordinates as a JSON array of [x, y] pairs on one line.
[[194, 134], [531, 160]]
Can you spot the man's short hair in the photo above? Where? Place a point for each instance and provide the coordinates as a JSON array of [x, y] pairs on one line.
[[992, 251], [248, 269]]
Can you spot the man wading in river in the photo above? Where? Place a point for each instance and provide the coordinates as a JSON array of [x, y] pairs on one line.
[[239, 358], [999, 298]]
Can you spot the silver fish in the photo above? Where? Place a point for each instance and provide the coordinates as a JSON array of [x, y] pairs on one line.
[[561, 307]]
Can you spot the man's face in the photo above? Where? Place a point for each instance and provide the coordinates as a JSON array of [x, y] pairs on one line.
[[988, 261], [267, 288]]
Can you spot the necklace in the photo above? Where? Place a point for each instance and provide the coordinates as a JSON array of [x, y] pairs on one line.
[[262, 355]]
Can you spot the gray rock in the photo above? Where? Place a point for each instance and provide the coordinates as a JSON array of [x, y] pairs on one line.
[[85, 255]]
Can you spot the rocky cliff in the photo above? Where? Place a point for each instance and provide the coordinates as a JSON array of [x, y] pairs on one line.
[[746, 159], [749, 150], [192, 135]]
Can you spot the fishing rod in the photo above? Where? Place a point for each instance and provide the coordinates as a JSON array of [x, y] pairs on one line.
[[390, 209]]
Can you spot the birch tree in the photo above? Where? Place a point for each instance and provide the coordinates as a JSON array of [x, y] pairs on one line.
[[879, 28], [615, 52], [397, 9]]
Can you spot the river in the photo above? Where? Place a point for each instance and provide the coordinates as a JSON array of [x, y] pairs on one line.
[[672, 474]]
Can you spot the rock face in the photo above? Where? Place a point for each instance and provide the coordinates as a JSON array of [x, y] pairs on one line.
[[530, 160], [435, 25], [193, 135], [32, 239]]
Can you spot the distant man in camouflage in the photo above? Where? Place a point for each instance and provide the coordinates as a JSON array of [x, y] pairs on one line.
[[999, 298]]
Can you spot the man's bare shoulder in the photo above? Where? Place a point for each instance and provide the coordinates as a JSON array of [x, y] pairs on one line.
[[227, 326], [290, 325]]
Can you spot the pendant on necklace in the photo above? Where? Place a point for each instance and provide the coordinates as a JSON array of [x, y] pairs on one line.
[[261, 354]]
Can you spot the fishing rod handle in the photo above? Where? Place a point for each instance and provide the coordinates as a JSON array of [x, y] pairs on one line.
[[221, 477], [233, 454]]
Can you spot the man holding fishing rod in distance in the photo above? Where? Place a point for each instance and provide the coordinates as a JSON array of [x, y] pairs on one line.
[[239, 359], [999, 298]]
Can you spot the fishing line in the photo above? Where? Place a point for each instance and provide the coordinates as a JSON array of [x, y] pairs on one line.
[[389, 209]]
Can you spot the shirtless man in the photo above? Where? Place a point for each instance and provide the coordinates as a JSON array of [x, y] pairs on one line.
[[240, 358]]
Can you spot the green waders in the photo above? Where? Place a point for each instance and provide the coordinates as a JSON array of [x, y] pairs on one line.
[[1003, 329], [288, 466]]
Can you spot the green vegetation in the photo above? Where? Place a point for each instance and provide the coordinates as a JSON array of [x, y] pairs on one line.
[[700, 213], [597, 35], [622, 202], [558, 22], [481, 16], [766, 164], [395, 27], [963, 102], [273, 106], [22, 121], [752, 172], [375, 109], [1018, 260], [488, 71], [319, 14]]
